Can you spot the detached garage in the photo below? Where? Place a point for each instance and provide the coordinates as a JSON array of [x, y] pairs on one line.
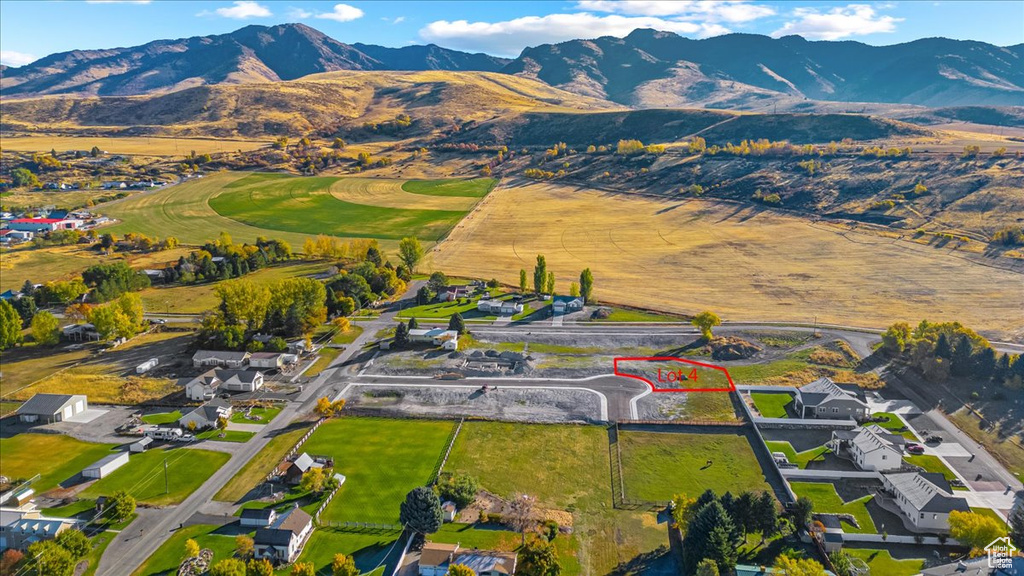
[[103, 467], [49, 408]]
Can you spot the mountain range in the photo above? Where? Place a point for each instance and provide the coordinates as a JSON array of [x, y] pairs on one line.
[[646, 69]]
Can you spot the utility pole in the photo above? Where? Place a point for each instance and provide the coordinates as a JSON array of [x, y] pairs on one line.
[[167, 488]]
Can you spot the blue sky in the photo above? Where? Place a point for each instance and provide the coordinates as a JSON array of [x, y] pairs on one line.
[[31, 30]]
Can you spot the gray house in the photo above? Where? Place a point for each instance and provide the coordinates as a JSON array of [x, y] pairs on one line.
[[219, 359], [52, 407], [823, 398]]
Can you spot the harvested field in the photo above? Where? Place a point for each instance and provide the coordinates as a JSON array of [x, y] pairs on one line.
[[744, 262], [145, 146]]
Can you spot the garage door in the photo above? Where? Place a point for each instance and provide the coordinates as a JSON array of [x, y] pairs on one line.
[[67, 412], [79, 407]]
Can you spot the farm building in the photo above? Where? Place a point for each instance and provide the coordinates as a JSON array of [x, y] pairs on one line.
[[52, 407], [567, 304], [104, 466], [282, 541], [266, 360], [447, 339], [219, 359], [43, 224], [141, 445], [871, 447], [25, 525], [924, 498], [823, 398], [258, 517], [301, 465], [435, 560], [206, 416]]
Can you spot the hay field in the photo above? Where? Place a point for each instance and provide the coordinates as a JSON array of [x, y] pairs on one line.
[[743, 262], [132, 145], [390, 194]]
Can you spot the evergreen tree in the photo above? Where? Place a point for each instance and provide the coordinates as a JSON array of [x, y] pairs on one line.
[[413, 324], [1017, 526], [1002, 371], [28, 288], [943, 349], [457, 323], [421, 511], [373, 255], [422, 296], [706, 498], [743, 512], [401, 335], [802, 510], [985, 363], [766, 515], [961, 362], [709, 536]]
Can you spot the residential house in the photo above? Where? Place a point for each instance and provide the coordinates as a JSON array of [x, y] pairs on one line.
[[924, 498], [258, 517], [977, 567], [447, 339], [80, 332], [22, 526], [435, 560], [293, 473], [104, 466], [267, 360], [823, 398], [282, 541], [220, 359], [567, 304], [453, 293], [10, 295], [500, 307], [49, 408], [871, 447], [206, 416]]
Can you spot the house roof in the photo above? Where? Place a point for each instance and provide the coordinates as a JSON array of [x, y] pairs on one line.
[[220, 355], [232, 376], [107, 460], [487, 561], [37, 220], [927, 492], [436, 553], [262, 355], [304, 462], [286, 526], [565, 300], [977, 567], [258, 514], [874, 437], [47, 404], [824, 390]]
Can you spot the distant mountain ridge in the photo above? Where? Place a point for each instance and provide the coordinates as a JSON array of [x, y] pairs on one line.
[[250, 54], [648, 68]]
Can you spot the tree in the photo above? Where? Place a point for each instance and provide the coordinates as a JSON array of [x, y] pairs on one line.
[[10, 326], [743, 512], [410, 252], [985, 363], [841, 562], [786, 566], [26, 309], [24, 178], [710, 536], [121, 505], [574, 289], [962, 363], [75, 542], [943, 349], [707, 567], [50, 559], [802, 511], [10, 560], [683, 510], [303, 569], [244, 545], [1017, 526], [540, 275], [459, 488], [191, 548], [457, 323], [549, 286], [421, 511], [765, 515], [313, 480], [343, 565], [260, 567], [538, 558], [327, 409], [705, 321], [460, 570], [222, 423], [896, 338], [587, 285], [401, 335], [973, 529], [437, 282], [228, 567], [520, 514], [423, 296]]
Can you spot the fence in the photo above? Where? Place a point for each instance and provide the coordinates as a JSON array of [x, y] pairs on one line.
[[291, 453], [363, 527], [619, 498], [439, 466], [795, 473], [802, 423], [900, 539], [767, 460]]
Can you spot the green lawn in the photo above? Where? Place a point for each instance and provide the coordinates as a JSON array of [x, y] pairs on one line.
[[262, 464], [566, 467], [771, 405], [880, 562], [825, 499], [306, 205], [54, 457], [895, 425], [471, 188], [658, 465], [143, 475], [162, 417], [622, 315], [382, 461], [370, 551], [265, 415], [226, 436], [348, 336], [799, 458], [930, 464], [326, 356], [168, 557]]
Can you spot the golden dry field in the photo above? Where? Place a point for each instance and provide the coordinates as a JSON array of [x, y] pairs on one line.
[[744, 262], [140, 145]]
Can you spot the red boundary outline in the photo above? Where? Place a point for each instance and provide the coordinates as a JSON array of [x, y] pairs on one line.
[[615, 366]]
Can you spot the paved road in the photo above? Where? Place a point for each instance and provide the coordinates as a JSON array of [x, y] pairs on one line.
[[132, 547]]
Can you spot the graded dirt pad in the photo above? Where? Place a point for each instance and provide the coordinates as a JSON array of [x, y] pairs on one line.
[[743, 262]]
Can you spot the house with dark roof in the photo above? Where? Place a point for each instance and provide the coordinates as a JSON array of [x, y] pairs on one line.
[[52, 407], [925, 499], [823, 398], [977, 567], [870, 447], [282, 541], [258, 517], [436, 559], [206, 416], [567, 304]]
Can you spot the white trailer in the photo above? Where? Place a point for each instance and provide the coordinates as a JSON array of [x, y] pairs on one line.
[[147, 366]]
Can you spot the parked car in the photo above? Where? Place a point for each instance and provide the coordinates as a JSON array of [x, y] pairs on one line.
[[915, 449], [933, 439], [186, 438]]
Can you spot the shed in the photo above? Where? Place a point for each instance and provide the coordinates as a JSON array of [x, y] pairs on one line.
[[52, 407], [141, 445], [104, 466]]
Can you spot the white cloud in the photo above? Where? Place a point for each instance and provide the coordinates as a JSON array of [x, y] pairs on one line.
[[708, 10], [396, 20], [342, 13], [841, 22], [12, 58], [509, 37], [299, 13], [242, 10]]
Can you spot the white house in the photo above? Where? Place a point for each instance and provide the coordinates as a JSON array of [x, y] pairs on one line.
[[266, 360], [871, 447], [25, 525], [206, 385], [567, 304], [220, 359], [925, 498], [206, 416], [104, 466], [500, 307], [823, 398], [282, 541], [447, 339], [258, 517], [49, 408]]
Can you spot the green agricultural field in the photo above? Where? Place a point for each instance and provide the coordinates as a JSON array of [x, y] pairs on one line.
[[143, 475], [54, 457], [801, 459], [659, 465], [472, 188], [882, 563], [566, 467], [771, 405], [166, 559], [382, 460], [826, 499]]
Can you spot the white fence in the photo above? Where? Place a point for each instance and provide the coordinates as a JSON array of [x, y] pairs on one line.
[[894, 539], [795, 473]]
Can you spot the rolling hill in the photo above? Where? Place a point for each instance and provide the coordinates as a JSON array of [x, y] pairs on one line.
[[250, 54], [648, 68]]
